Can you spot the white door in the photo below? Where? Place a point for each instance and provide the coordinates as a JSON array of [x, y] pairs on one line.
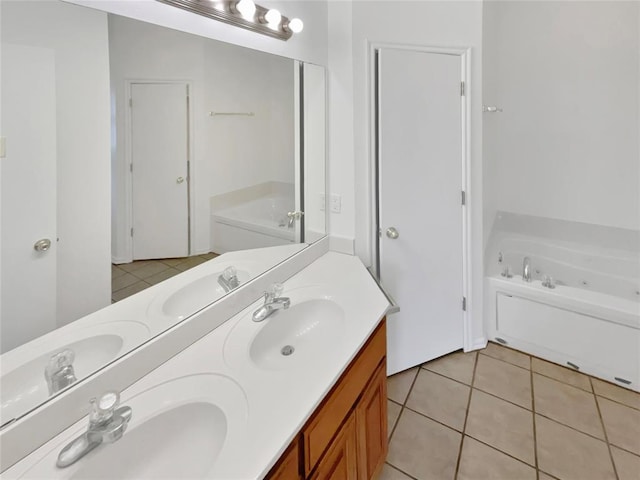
[[159, 157], [28, 193], [420, 181]]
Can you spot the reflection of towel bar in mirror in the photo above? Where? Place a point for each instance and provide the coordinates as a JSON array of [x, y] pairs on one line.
[[244, 114]]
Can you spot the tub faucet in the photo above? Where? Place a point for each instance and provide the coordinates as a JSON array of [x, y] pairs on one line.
[[59, 371], [107, 423], [228, 279], [272, 302], [293, 216], [526, 270]]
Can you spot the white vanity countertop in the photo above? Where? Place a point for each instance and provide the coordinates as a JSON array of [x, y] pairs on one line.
[[113, 331], [277, 402]]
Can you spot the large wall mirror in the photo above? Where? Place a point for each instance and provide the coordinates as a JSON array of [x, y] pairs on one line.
[[136, 154]]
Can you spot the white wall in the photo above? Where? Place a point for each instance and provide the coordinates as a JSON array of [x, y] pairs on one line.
[[229, 152], [83, 138], [309, 46], [566, 145], [432, 23], [315, 154]]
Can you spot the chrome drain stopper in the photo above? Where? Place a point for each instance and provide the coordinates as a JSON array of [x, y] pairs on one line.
[[287, 350]]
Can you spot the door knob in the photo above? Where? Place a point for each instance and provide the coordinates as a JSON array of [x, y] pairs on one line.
[[179, 179], [42, 245], [392, 233]]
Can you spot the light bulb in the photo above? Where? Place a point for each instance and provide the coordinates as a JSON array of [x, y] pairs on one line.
[[246, 8], [296, 25], [273, 18]]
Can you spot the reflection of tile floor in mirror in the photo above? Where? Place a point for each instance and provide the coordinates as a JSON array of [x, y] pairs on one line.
[[504, 415], [130, 278]]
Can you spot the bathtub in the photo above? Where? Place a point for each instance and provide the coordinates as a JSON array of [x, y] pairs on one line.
[[589, 322], [257, 223]]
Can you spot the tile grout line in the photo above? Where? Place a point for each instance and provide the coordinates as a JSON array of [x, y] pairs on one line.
[[571, 428], [506, 361], [466, 417], [400, 416], [500, 398], [401, 471], [533, 420], [500, 451], [448, 378], [604, 430], [616, 401]]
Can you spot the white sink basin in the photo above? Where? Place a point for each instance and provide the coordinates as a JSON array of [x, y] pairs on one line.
[[178, 429], [193, 296], [22, 381], [287, 339]]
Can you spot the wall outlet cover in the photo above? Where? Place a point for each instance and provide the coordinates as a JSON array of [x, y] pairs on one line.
[[336, 203]]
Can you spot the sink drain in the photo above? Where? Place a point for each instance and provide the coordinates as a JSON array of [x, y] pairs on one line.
[[287, 350]]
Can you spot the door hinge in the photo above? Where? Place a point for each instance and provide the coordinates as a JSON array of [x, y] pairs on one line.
[[380, 232], [131, 102], [132, 231], [462, 89], [464, 197], [464, 304]]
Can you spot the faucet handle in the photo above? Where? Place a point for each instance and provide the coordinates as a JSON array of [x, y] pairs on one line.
[[229, 273], [274, 291], [58, 361], [102, 408], [277, 289]]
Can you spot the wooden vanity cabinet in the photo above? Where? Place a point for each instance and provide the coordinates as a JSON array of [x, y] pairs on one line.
[[346, 437]]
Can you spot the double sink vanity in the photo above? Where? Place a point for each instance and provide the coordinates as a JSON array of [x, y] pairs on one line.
[[297, 393]]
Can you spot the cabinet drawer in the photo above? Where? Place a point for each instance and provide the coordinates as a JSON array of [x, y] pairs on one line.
[[323, 426]]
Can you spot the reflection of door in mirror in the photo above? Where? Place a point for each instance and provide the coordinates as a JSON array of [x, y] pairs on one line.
[[159, 135], [55, 177], [29, 121]]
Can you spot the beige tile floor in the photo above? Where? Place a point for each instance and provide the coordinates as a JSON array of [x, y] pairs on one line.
[[130, 278], [502, 415]]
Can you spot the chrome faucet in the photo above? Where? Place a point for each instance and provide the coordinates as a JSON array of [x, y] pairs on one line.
[[107, 424], [293, 216], [526, 270], [272, 302], [59, 371], [228, 279]]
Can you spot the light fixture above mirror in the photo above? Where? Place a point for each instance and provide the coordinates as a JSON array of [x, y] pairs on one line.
[[244, 14]]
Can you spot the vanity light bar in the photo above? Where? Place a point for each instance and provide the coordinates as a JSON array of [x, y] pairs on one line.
[[227, 11]]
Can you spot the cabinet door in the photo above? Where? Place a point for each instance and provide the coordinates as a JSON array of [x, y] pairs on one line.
[[340, 462], [371, 425], [288, 468]]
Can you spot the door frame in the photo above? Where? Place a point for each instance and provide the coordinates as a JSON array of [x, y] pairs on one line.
[[464, 53], [128, 180]]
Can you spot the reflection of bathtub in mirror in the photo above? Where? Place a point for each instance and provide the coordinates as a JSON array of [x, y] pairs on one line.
[[254, 217], [106, 335]]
